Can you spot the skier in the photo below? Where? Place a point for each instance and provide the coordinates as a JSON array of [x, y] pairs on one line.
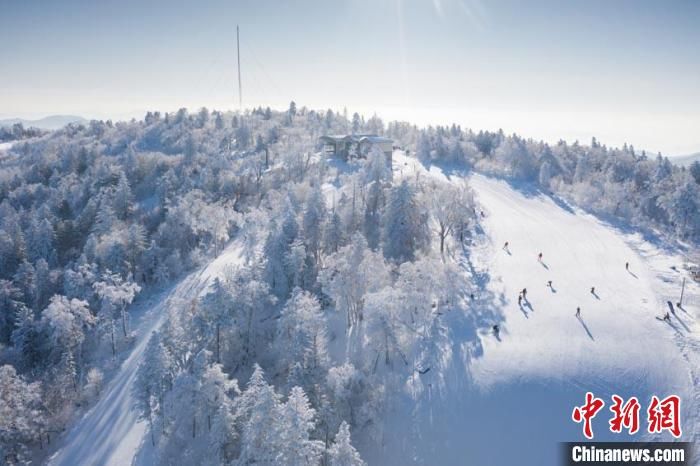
[[627, 265], [593, 290], [525, 293], [539, 257], [578, 312], [482, 214], [520, 299], [496, 330], [549, 283], [505, 246], [667, 317], [471, 295]]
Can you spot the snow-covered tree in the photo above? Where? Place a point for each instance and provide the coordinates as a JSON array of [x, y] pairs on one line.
[[153, 379], [294, 426], [451, 207], [26, 338], [333, 235], [302, 336], [423, 148], [253, 303], [258, 409], [216, 316], [93, 382], [350, 274], [116, 294], [10, 307], [122, 200], [405, 231], [342, 453], [22, 418], [683, 205], [219, 393], [545, 175], [314, 216], [66, 322]]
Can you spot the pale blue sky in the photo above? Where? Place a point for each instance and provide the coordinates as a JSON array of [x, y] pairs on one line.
[[619, 70]]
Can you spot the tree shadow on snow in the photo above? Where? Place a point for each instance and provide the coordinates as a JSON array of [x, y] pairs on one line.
[[465, 331], [531, 190]]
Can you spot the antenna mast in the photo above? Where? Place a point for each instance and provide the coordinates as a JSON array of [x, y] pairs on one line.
[[240, 88]]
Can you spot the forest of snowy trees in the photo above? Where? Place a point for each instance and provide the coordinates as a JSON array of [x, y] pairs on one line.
[[348, 270], [641, 190], [17, 132]]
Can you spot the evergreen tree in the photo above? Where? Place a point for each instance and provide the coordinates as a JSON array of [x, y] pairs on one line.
[[342, 453], [258, 409], [314, 216], [295, 423], [22, 416], [405, 225], [122, 201]]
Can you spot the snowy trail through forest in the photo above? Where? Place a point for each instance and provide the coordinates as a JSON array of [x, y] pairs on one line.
[[110, 433]]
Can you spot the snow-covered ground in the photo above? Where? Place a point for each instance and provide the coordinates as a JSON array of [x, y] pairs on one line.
[[110, 433], [499, 401], [509, 400]]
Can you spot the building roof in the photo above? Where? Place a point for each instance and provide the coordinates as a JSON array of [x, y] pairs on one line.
[[372, 138], [375, 139]]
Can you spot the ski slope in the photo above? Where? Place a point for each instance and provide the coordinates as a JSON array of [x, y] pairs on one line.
[[578, 253], [110, 433], [508, 400]]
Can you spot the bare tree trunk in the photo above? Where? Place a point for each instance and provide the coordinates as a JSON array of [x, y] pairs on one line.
[[218, 343], [114, 345], [249, 325], [124, 321], [150, 421]]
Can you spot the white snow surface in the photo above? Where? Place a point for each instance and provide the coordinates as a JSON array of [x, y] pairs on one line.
[[110, 433], [509, 400], [491, 401]]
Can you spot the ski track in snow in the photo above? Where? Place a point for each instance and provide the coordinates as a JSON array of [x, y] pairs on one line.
[[110, 433], [521, 389]]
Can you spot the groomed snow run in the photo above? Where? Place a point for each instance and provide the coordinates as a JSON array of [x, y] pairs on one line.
[[110, 433], [508, 400]]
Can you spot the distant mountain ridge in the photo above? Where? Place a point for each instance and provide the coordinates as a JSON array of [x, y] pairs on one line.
[[50, 122], [685, 160]]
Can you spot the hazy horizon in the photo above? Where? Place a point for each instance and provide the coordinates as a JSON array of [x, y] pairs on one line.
[[622, 72]]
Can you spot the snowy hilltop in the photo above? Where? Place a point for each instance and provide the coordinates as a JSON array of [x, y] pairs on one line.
[[227, 288]]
